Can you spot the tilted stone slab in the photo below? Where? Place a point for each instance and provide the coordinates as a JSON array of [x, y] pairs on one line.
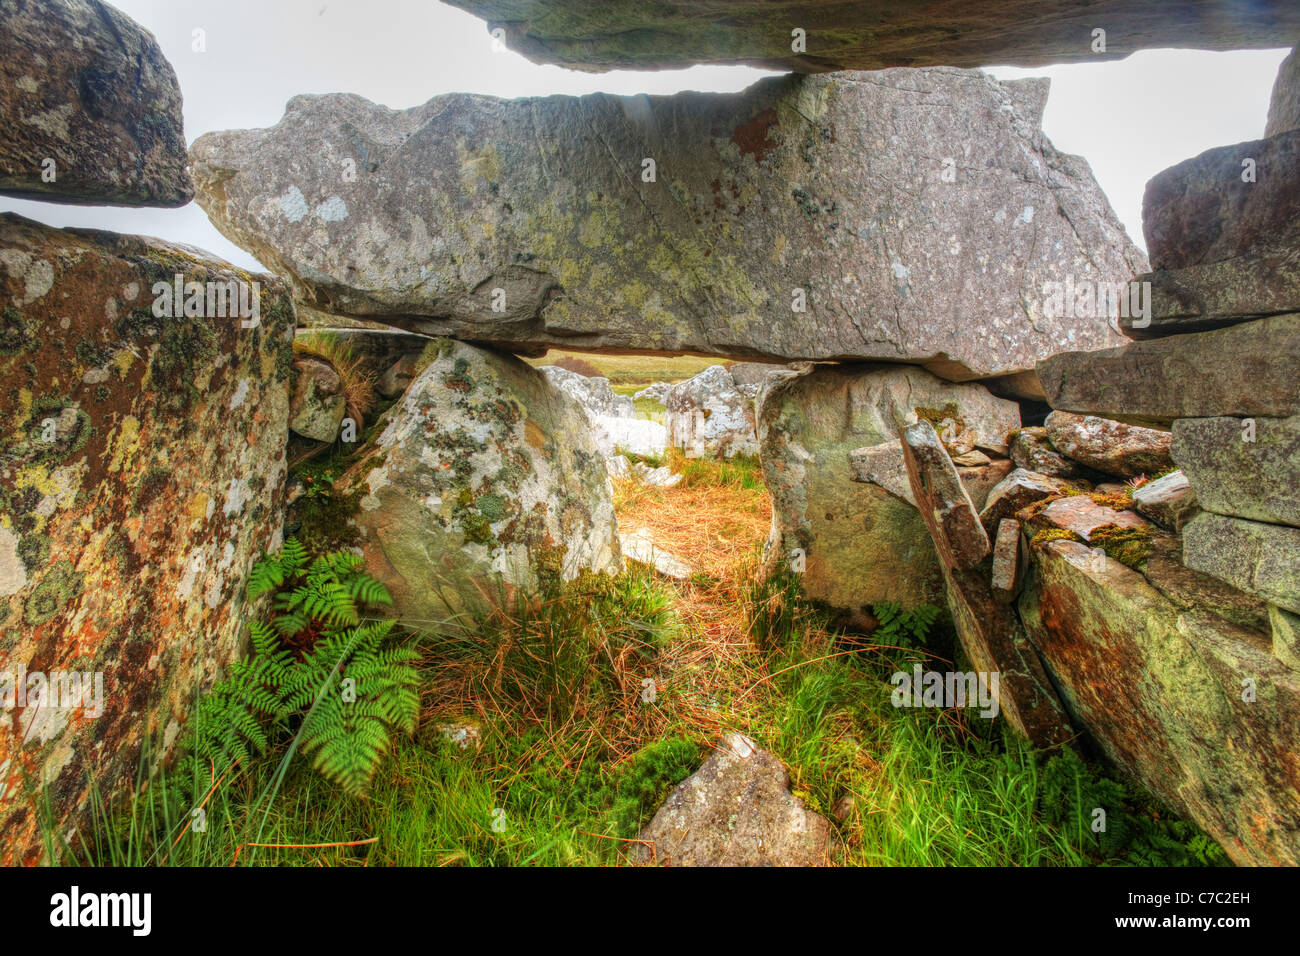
[[804, 218], [1159, 688], [1169, 500], [142, 467], [1246, 370], [1247, 472], [954, 524], [870, 34], [1261, 559], [92, 111]]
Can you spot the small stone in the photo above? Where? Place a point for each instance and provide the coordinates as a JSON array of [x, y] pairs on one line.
[[1016, 491], [1006, 561], [1031, 450], [1169, 500]]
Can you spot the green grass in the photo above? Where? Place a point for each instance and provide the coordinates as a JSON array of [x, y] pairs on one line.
[[645, 407], [574, 762]]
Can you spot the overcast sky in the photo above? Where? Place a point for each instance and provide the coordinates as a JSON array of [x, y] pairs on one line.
[[1129, 118]]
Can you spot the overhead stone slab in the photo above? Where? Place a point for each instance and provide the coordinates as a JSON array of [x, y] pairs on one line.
[[92, 111], [1247, 472], [598, 35], [905, 215], [142, 466], [1245, 370], [1159, 687]]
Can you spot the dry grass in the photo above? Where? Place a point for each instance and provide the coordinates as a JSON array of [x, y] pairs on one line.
[[357, 382], [634, 369]]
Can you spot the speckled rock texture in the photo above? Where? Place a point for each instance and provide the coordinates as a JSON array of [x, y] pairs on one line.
[[857, 543], [710, 417], [87, 87], [870, 34], [1257, 479], [1108, 446], [141, 474], [594, 393], [484, 476], [911, 215], [1284, 105], [1161, 686], [736, 810]]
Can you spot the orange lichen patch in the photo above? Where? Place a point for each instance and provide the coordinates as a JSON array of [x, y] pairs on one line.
[[752, 138]]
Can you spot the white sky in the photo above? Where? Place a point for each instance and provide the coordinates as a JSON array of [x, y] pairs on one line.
[[1129, 118]]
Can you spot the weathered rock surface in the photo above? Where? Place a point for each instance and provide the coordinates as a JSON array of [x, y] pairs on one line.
[[1007, 566], [883, 465], [709, 417], [1284, 105], [804, 218], [484, 473], [954, 524], [860, 544], [1160, 690], [1260, 559], [85, 87], [640, 436], [1246, 370], [141, 474], [1223, 230], [318, 404], [593, 393], [623, 34], [1169, 500], [1285, 628], [640, 546], [1083, 516], [1109, 446], [1031, 450], [1257, 479], [1018, 490], [988, 629], [736, 810]]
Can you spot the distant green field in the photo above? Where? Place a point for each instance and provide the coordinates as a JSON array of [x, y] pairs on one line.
[[635, 369]]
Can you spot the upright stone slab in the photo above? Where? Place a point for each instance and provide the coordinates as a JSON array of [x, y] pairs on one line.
[[954, 524], [141, 475], [485, 477], [846, 217], [1284, 105], [1244, 469], [857, 544], [92, 112], [1261, 559]]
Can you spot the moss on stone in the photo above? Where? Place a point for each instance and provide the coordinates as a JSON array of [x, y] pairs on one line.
[[1128, 546], [1056, 534]]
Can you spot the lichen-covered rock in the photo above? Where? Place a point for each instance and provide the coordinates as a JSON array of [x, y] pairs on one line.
[[593, 393], [1162, 690], [1032, 450], [1260, 559], [954, 524], [1246, 370], [484, 475], [908, 215], [318, 403], [640, 436], [1284, 105], [856, 543], [92, 110], [736, 810], [141, 475], [1251, 472], [834, 35], [709, 417], [1169, 500], [1109, 446]]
